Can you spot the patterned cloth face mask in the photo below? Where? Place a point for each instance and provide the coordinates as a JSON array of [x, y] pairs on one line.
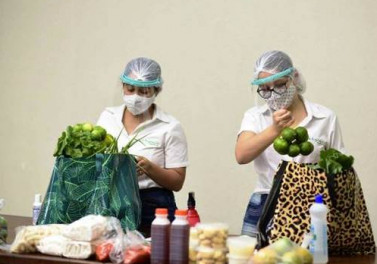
[[277, 101]]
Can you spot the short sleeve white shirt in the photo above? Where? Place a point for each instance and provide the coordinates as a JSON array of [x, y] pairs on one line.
[[324, 132], [163, 141]]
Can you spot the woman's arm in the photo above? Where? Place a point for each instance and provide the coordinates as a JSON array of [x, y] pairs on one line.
[[250, 145], [172, 178]]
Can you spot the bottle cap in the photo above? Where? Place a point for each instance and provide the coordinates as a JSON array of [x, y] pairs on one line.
[[318, 198], [181, 212], [191, 200], [37, 198], [161, 211]]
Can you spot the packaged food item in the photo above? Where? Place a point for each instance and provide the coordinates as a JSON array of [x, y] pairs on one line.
[[207, 255], [103, 250], [27, 237], [53, 245], [282, 251], [137, 249], [87, 228], [241, 246], [78, 249], [212, 235], [193, 244]]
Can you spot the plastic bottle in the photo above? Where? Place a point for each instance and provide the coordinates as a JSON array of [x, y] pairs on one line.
[[318, 228], [36, 208], [160, 237], [179, 238], [192, 215]]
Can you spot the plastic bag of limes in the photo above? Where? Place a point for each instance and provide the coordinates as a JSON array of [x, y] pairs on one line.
[[293, 142]]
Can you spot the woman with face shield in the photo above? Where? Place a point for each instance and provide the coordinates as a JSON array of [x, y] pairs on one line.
[[161, 151], [280, 85]]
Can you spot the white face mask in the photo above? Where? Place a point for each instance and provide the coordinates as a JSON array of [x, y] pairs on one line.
[[277, 101], [137, 104]]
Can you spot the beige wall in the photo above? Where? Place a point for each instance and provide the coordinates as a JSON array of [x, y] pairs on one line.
[[60, 62]]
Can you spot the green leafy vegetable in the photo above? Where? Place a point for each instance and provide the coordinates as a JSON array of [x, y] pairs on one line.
[[333, 161], [85, 140]]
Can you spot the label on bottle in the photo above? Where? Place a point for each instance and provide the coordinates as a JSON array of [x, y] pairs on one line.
[[36, 211]]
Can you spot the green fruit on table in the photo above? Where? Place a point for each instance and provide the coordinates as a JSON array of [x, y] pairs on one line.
[[282, 245], [302, 134], [306, 148], [281, 146], [265, 256], [291, 257], [305, 255], [289, 134], [293, 150]]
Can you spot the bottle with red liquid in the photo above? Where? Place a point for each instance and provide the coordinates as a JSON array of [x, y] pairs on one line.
[[179, 238], [160, 232], [192, 215]]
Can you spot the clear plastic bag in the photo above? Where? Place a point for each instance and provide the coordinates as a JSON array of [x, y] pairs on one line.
[[137, 249], [27, 237], [282, 251]]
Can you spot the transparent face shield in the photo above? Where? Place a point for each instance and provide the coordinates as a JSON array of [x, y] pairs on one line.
[[276, 90]]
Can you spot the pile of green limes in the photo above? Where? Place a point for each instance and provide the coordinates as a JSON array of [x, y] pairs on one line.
[[293, 142]]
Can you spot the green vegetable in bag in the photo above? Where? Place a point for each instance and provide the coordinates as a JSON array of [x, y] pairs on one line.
[[85, 140], [333, 161]]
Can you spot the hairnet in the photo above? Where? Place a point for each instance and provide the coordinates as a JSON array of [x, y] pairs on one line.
[[276, 62], [142, 72]]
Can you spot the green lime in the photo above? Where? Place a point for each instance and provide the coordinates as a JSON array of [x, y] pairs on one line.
[[289, 134], [87, 127], [281, 146], [77, 128], [306, 148], [109, 140], [302, 134], [98, 133], [294, 150]]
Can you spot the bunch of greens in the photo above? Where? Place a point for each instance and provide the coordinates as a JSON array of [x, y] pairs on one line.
[[332, 161], [84, 140]]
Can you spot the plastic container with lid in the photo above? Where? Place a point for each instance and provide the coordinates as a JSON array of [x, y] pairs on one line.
[[212, 235], [241, 246], [210, 255], [160, 237], [237, 259], [179, 239]]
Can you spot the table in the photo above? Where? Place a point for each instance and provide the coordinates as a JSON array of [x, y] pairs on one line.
[[14, 221]]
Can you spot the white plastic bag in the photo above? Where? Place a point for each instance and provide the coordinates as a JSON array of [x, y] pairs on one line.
[[87, 228]]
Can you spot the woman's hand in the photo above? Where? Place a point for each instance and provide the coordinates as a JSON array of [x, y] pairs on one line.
[[143, 165], [281, 119], [171, 178]]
